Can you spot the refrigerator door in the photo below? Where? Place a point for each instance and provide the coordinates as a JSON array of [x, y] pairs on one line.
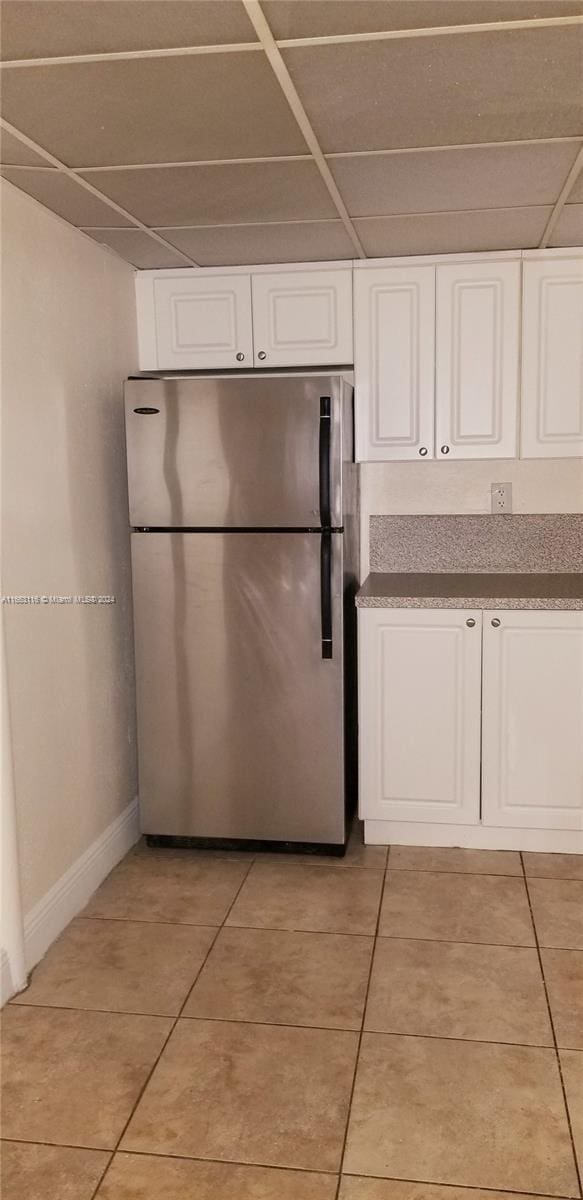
[[221, 452], [240, 711]]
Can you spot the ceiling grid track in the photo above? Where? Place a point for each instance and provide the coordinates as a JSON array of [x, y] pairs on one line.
[[562, 199], [71, 174], [333, 39], [256, 16]]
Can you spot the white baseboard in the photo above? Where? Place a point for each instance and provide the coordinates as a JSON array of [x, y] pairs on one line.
[[473, 837], [71, 892]]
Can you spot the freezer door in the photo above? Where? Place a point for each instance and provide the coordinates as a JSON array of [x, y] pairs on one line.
[[240, 709], [212, 452]]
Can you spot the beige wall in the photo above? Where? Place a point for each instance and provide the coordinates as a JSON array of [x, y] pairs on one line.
[[68, 341], [543, 486]]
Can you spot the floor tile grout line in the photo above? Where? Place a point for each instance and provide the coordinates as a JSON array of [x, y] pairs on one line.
[[332, 933], [361, 1033], [167, 1038], [481, 874], [400, 1033], [171, 1154], [472, 1187], [451, 871], [298, 1170], [464, 874], [554, 1035]]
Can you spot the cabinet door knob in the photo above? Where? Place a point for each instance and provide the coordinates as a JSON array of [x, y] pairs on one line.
[[445, 449], [495, 622], [470, 622], [262, 355], [422, 449], [240, 356]]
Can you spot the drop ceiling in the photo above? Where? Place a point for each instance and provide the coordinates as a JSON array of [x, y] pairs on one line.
[[224, 132]]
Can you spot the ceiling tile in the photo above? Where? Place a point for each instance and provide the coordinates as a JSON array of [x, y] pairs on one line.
[[437, 91], [13, 152], [63, 196], [569, 228], [137, 248], [233, 245], [576, 193], [58, 27], [219, 195], [153, 110], [450, 233], [319, 18], [443, 180]]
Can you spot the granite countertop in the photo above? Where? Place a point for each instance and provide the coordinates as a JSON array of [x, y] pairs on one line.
[[460, 589]]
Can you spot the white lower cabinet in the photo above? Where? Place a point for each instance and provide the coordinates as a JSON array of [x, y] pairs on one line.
[[533, 720], [445, 694], [420, 714]]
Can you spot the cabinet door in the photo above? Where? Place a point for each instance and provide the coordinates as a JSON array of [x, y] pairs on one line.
[[533, 720], [302, 318], [394, 322], [552, 359], [419, 722], [203, 321], [478, 307]]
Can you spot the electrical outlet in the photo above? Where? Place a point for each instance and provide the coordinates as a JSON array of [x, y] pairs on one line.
[[501, 494]]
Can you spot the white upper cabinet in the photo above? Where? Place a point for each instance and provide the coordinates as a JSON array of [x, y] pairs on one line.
[[552, 362], [191, 321], [394, 322], [478, 329], [533, 720], [419, 714], [302, 318]]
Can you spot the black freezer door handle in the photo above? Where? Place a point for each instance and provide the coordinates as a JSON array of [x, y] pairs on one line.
[[326, 593], [324, 462]]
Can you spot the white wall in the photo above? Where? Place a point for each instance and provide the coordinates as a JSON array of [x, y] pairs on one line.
[[68, 341], [538, 486]]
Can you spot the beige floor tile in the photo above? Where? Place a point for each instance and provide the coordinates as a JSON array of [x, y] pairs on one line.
[[284, 978], [448, 989], [572, 1068], [359, 1188], [557, 906], [169, 885], [456, 908], [134, 1177], [464, 1113], [554, 866], [564, 977], [32, 1172], [120, 966], [73, 1077], [357, 854], [270, 1095], [314, 899], [438, 858]]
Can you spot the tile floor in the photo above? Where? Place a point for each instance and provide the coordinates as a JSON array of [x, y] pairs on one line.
[[265, 1028]]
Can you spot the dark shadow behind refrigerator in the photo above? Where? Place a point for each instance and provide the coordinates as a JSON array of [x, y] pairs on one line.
[[243, 503]]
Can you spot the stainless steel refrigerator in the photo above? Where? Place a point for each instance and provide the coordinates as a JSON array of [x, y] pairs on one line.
[[243, 506]]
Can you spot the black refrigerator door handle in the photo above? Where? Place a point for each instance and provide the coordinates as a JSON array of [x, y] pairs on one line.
[[326, 593], [324, 462]]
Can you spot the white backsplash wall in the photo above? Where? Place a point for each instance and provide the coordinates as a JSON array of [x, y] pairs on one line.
[[68, 341], [433, 488]]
